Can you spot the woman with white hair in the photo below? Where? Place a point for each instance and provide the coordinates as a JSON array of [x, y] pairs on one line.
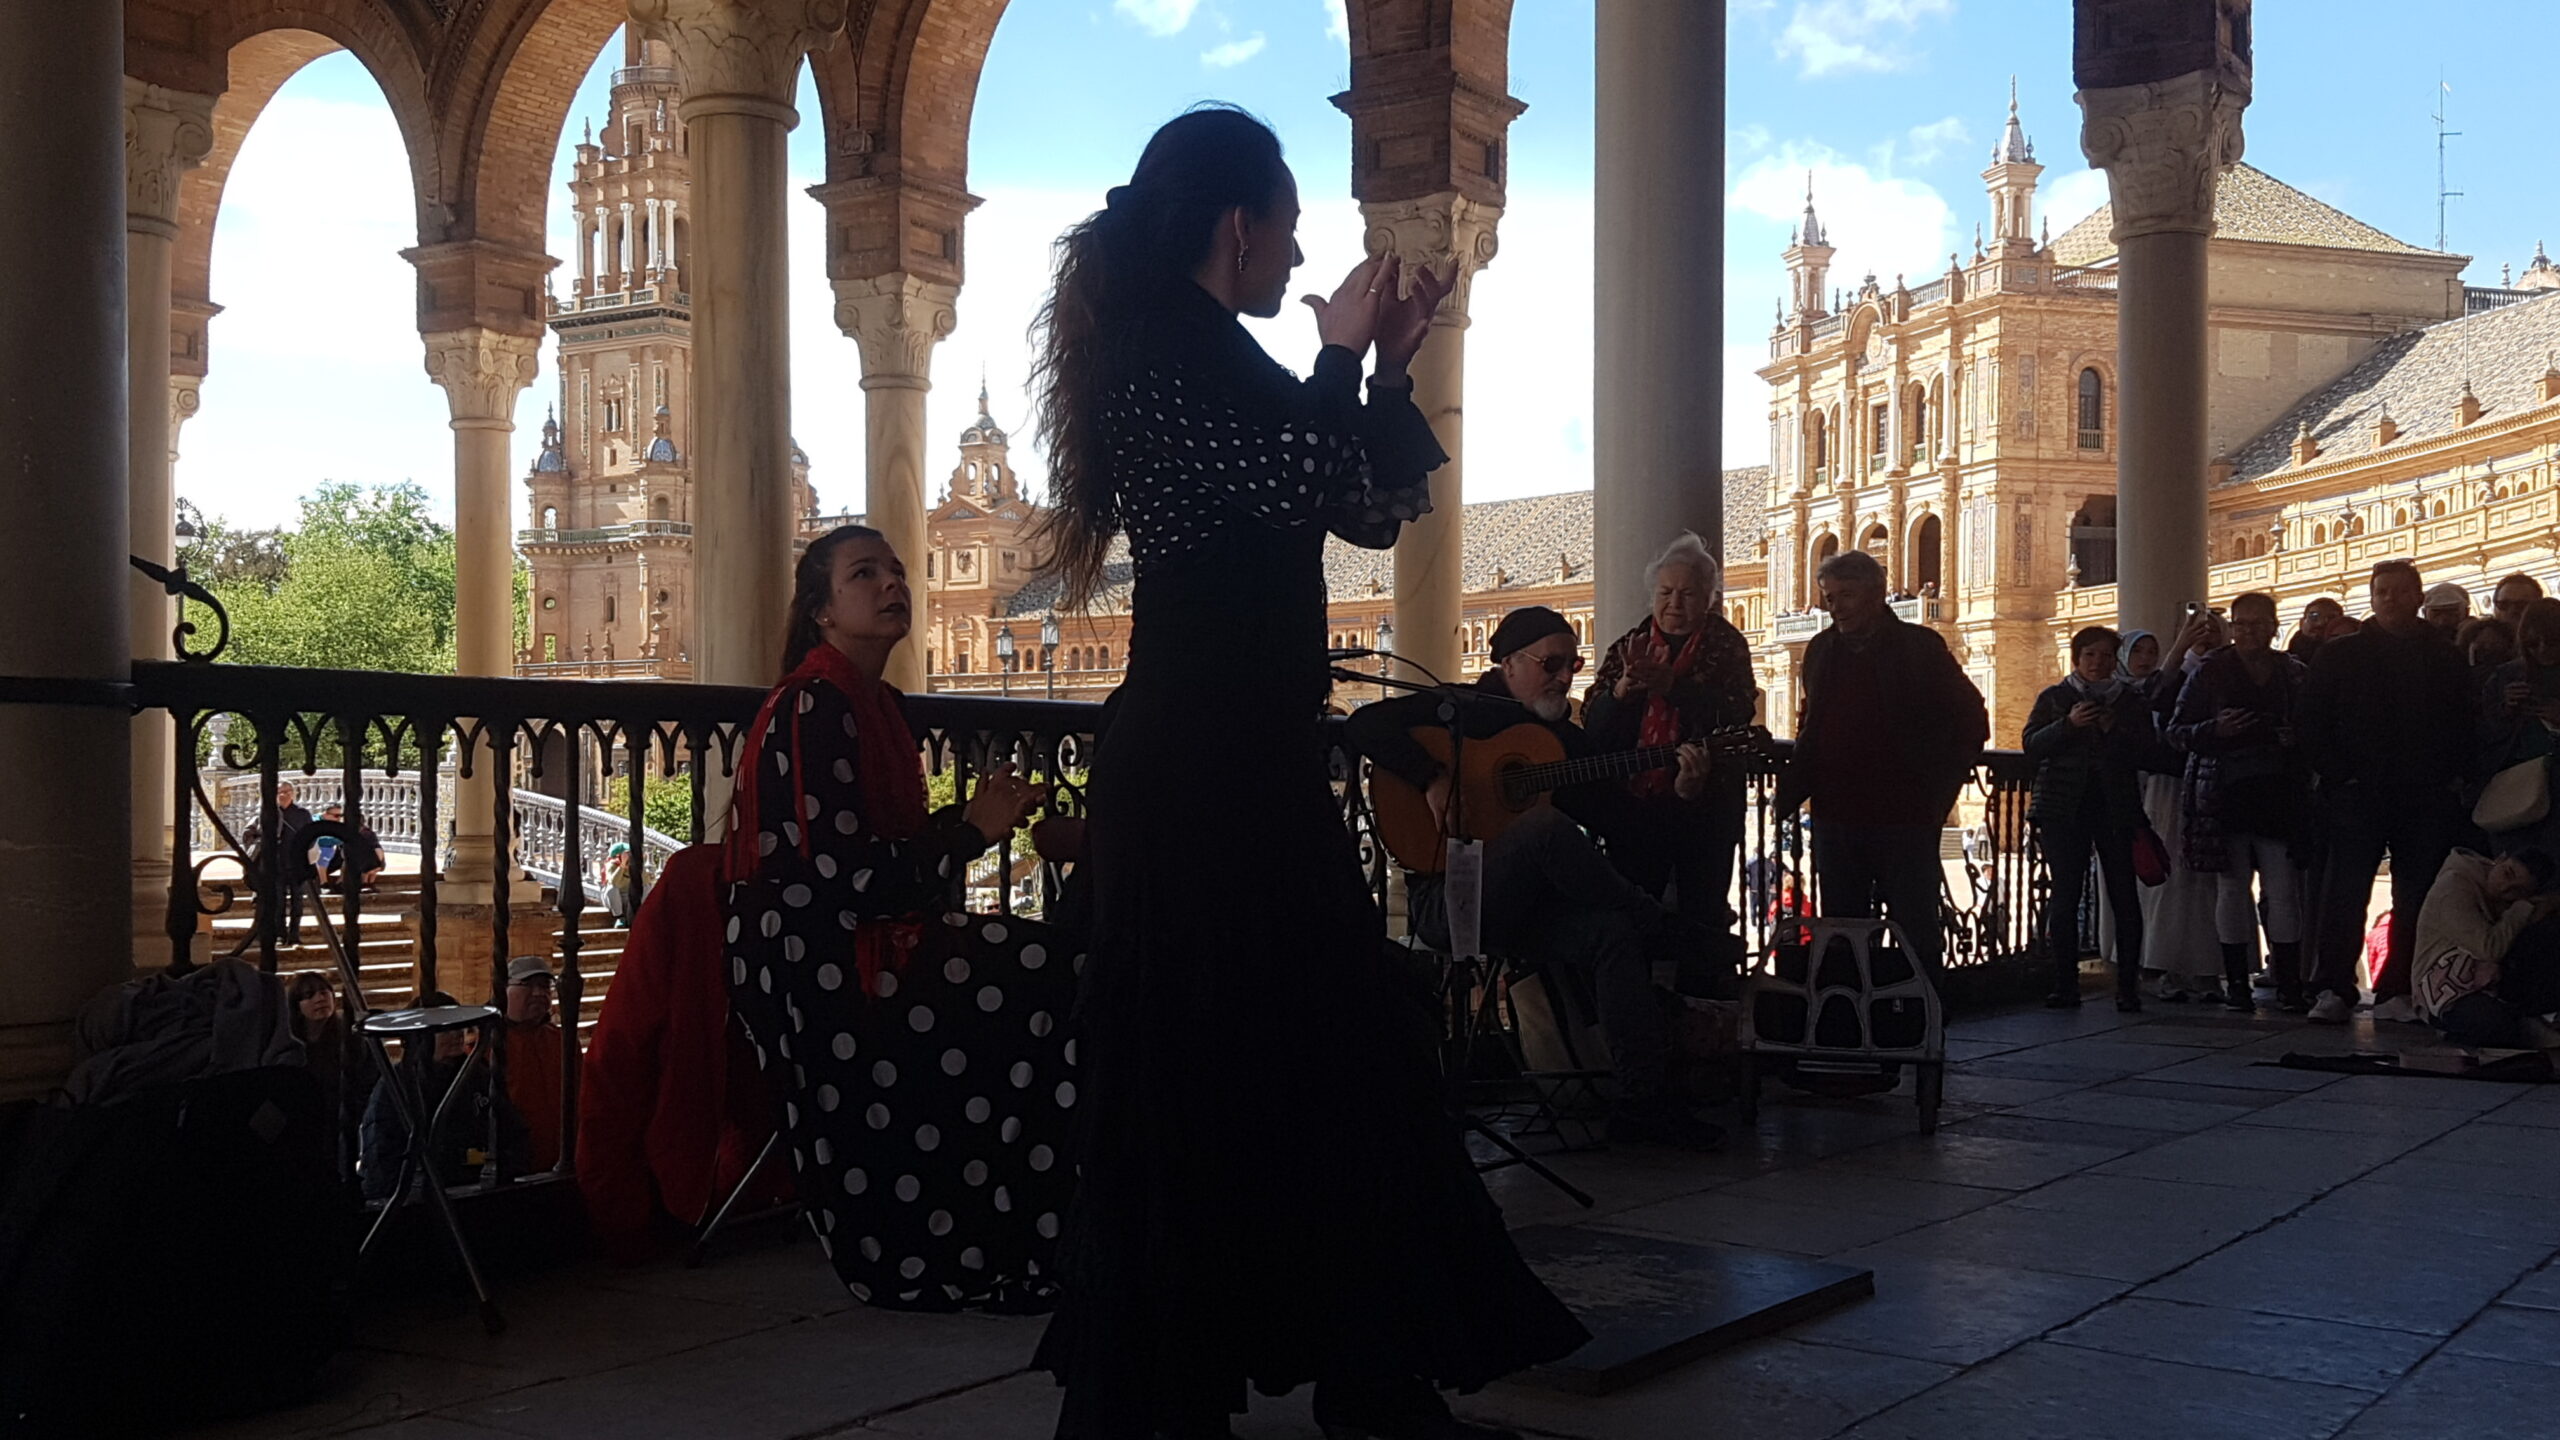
[[1682, 673]]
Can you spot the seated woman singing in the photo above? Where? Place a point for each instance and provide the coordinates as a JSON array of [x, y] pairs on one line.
[[923, 1053]]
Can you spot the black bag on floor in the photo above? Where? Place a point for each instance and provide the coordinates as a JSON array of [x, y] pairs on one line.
[[178, 1255]]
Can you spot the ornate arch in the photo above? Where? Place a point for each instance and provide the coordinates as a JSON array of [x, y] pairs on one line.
[[391, 45], [896, 97]]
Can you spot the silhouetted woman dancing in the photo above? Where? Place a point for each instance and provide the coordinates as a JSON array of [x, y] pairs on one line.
[[1272, 1192]]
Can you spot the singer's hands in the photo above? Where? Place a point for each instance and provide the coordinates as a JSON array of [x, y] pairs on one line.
[[1002, 801], [1350, 318]]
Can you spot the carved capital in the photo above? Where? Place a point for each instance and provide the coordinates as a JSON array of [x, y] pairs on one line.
[[1443, 233], [896, 320], [166, 134], [482, 372], [2164, 146], [186, 397], [733, 51]]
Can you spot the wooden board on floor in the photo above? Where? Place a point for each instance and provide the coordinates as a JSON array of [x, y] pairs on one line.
[[1653, 1304]]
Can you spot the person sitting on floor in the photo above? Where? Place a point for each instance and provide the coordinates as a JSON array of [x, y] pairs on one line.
[[1550, 896], [2470, 977]]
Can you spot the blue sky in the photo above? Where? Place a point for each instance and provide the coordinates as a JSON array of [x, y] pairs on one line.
[[1893, 104]]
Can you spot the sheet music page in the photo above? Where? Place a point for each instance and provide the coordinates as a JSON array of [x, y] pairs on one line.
[[1463, 892]]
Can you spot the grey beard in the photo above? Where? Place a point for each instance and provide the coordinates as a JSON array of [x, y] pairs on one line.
[[1550, 708]]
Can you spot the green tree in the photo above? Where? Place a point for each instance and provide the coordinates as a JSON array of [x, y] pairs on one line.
[[365, 582]]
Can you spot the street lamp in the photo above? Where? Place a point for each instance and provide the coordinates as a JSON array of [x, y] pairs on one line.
[[1004, 658], [1049, 651], [1386, 651]]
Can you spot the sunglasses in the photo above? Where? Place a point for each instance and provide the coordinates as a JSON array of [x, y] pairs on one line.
[[1558, 664]]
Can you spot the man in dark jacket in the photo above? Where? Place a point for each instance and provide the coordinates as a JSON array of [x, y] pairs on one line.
[[1889, 733], [293, 858], [1550, 896], [2387, 722]]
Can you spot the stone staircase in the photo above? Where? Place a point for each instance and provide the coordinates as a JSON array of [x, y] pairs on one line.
[[387, 944]]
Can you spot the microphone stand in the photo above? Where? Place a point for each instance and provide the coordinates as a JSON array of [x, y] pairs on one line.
[[1466, 972]]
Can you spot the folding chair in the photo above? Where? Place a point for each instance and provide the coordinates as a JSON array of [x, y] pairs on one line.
[[415, 1026]]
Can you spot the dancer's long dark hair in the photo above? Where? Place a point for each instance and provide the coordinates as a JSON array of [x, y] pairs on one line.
[[813, 581], [1151, 236]]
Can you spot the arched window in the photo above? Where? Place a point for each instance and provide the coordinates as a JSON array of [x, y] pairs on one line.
[[550, 517], [658, 507], [1817, 445], [608, 609], [1876, 542], [2437, 509], [1106, 658], [2400, 516], [2093, 410], [2319, 534], [1928, 550]]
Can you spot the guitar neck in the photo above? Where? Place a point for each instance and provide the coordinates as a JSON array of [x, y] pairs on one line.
[[1581, 769]]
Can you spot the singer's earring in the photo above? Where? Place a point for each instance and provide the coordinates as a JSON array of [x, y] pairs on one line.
[[1242, 251]]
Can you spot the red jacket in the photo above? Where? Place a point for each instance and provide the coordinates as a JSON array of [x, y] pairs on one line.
[[671, 1109]]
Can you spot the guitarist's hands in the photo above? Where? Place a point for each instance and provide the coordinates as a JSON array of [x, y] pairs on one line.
[[1697, 763], [1436, 795]]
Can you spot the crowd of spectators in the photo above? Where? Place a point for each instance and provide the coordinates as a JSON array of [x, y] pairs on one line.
[[2240, 802]]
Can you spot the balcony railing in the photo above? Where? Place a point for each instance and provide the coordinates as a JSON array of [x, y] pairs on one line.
[[1805, 624], [602, 534], [375, 742], [2476, 298], [2096, 278], [645, 75]]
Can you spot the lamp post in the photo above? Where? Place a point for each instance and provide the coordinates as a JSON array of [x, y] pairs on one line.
[[1386, 650], [1004, 659], [1049, 652]]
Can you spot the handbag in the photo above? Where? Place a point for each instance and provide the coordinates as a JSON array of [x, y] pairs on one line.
[[2150, 856], [2515, 797]]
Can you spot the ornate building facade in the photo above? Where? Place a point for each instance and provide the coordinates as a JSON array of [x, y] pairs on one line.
[[609, 500], [2364, 404]]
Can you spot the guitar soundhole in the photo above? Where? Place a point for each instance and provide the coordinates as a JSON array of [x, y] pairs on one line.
[[1514, 793]]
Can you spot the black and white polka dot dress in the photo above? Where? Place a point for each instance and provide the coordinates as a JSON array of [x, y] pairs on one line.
[[929, 1111]]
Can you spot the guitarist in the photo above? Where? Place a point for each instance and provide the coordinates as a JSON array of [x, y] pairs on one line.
[[1550, 897]]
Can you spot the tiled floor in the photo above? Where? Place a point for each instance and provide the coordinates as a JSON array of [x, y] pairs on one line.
[[2129, 1226]]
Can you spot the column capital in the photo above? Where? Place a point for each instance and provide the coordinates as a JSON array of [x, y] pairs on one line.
[[166, 134], [482, 371], [896, 320], [737, 56], [2164, 146], [1442, 232], [186, 397]]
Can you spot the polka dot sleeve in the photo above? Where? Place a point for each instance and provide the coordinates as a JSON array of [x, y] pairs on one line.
[[854, 866], [1203, 456]]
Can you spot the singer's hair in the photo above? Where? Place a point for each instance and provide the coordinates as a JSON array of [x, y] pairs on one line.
[[1110, 266]]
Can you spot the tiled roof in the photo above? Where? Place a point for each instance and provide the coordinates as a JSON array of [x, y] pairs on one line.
[[2418, 378], [2248, 204], [1522, 538]]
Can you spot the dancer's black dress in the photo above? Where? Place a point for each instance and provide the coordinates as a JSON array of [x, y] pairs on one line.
[[1272, 1191]]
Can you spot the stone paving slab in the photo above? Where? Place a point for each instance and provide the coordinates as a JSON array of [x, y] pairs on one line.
[[2281, 1347], [2127, 1226], [2062, 1390]]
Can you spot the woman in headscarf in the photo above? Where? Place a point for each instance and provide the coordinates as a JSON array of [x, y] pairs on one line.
[[2087, 736], [922, 1050], [1681, 674], [1273, 1191]]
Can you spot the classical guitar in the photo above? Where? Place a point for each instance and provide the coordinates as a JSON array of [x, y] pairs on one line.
[[1505, 776]]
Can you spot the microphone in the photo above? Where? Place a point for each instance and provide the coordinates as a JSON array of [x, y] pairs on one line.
[[1336, 657]]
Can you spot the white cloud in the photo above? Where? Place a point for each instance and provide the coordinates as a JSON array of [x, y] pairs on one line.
[[1925, 143], [1830, 36], [1337, 22], [1158, 17], [2073, 198], [1234, 52], [1879, 224]]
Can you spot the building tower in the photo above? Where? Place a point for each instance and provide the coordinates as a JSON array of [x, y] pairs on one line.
[[611, 495], [981, 555], [2012, 183], [1808, 257]]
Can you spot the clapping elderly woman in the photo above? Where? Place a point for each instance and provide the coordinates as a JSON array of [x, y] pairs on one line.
[[1681, 674]]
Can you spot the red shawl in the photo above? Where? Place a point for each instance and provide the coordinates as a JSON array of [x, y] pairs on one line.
[[893, 800], [1662, 718]]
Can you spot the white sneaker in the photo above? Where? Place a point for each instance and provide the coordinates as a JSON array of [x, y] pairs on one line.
[[2332, 1008], [2397, 1009]]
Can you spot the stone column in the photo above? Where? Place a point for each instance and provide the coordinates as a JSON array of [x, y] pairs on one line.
[[897, 320], [166, 133], [482, 371], [1444, 233], [738, 62], [2163, 122], [65, 813], [1657, 438]]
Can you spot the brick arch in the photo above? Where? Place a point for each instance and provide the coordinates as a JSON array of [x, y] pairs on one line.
[[895, 98], [1477, 33], [258, 67], [506, 98], [390, 50]]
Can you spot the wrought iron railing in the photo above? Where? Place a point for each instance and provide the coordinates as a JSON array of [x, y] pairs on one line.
[[391, 806]]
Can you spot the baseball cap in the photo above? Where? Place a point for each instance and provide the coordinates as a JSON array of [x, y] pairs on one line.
[[527, 967], [2448, 596]]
